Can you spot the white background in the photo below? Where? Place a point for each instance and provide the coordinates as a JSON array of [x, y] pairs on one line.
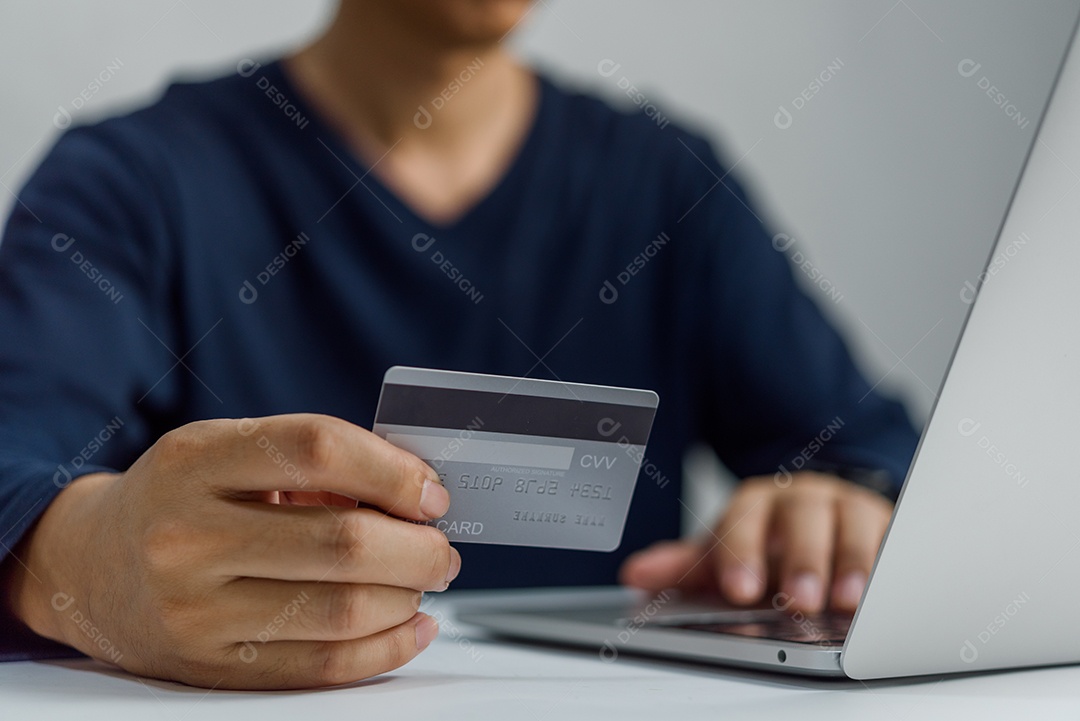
[[892, 179]]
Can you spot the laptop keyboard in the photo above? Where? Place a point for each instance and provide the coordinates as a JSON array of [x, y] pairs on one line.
[[825, 629]]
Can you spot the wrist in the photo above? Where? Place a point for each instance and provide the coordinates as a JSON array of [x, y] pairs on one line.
[[45, 570]]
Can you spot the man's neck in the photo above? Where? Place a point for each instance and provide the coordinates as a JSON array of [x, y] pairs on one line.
[[454, 115], [382, 82]]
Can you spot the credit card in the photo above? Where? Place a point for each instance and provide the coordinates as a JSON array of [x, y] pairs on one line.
[[527, 462]]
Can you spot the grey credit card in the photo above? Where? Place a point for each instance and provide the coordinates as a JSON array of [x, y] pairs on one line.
[[527, 462]]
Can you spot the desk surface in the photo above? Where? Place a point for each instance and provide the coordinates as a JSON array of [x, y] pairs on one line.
[[464, 675]]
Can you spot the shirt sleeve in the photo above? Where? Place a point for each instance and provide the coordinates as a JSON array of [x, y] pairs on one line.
[[783, 393], [82, 282]]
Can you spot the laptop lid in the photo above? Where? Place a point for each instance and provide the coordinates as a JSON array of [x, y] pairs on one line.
[[980, 568]]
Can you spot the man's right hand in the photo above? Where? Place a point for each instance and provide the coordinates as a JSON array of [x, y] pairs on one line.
[[224, 557]]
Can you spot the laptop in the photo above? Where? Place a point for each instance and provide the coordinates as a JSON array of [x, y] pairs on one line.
[[980, 566]]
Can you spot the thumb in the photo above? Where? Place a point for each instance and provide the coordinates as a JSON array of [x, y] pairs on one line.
[[668, 564]]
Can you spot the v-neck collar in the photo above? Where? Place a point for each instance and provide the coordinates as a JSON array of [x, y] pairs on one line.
[[336, 143]]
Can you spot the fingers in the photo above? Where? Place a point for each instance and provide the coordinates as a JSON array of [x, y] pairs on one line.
[[668, 564], [806, 522], [348, 545], [818, 524], [821, 534], [734, 554], [740, 553], [307, 664], [305, 452], [260, 610], [862, 518]]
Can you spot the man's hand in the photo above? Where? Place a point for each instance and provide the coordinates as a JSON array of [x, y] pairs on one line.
[[812, 539], [232, 555]]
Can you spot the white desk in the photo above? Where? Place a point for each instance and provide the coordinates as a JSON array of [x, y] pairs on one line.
[[481, 679]]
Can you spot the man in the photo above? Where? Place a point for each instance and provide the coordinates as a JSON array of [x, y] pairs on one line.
[[400, 192]]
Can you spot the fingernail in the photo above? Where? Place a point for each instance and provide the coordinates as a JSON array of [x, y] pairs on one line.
[[740, 585], [455, 565], [848, 590], [426, 631], [807, 590], [434, 500]]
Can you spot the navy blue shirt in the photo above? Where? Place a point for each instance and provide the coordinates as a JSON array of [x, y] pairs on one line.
[[221, 253]]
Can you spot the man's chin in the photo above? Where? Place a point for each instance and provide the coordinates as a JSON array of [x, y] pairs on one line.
[[469, 22]]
